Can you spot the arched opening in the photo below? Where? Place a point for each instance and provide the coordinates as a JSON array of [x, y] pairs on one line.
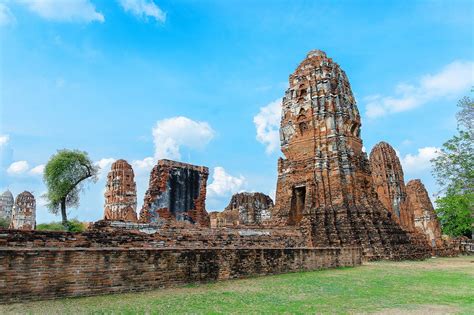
[[303, 127], [298, 200]]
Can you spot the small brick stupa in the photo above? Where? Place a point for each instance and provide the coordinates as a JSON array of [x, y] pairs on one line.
[[121, 193], [24, 212], [6, 205]]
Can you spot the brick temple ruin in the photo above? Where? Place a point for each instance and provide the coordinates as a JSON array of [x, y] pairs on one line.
[[324, 181], [6, 205], [24, 212], [121, 193], [389, 184], [425, 219], [244, 209], [176, 192], [333, 208]]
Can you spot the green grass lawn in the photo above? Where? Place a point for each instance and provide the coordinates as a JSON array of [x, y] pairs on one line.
[[434, 286]]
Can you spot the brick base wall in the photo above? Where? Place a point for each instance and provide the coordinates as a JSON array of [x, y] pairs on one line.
[[46, 273]]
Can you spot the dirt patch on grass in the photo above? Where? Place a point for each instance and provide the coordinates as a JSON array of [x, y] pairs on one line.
[[464, 262], [421, 310]]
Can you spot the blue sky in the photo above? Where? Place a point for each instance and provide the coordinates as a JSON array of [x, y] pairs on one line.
[[198, 80]]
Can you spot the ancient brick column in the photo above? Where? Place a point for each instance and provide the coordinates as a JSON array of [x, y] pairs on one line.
[[176, 192], [120, 193], [24, 212], [6, 205], [389, 184], [324, 181], [426, 221]]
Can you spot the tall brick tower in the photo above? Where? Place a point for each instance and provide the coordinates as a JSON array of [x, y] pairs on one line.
[[425, 218], [120, 193], [324, 182], [389, 184]]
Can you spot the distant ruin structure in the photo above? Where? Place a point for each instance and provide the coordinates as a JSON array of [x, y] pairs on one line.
[[389, 184], [177, 192], [121, 193], [24, 212], [324, 181], [244, 209], [426, 220], [6, 205]]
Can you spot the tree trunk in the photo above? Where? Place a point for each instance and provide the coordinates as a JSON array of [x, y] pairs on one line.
[[63, 212]]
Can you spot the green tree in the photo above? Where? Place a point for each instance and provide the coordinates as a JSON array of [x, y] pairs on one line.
[[65, 175], [4, 223], [454, 172]]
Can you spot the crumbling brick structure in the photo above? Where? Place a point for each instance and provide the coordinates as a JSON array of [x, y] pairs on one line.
[[426, 221], [244, 209], [6, 205], [389, 184], [24, 212], [121, 193], [324, 182], [176, 192]]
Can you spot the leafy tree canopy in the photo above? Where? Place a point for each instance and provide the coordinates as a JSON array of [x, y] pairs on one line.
[[65, 176], [454, 172]]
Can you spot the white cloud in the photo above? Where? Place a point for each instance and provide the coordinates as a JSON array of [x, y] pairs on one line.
[[4, 140], [454, 79], [37, 170], [17, 168], [143, 166], [104, 166], [224, 184], [172, 133], [144, 9], [414, 164], [6, 15], [267, 123], [65, 10]]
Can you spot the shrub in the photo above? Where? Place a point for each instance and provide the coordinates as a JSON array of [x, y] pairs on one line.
[[73, 225], [4, 223]]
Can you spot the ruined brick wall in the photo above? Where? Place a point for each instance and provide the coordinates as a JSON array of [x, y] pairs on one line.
[[389, 184], [324, 181], [120, 193], [426, 221], [24, 212], [134, 235], [226, 218], [6, 205], [176, 192], [31, 269], [244, 209]]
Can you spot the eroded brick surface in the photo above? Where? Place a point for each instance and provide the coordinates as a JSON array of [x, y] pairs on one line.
[[244, 209], [324, 181], [24, 212], [389, 184], [176, 192], [426, 221], [121, 193], [46, 273], [6, 205]]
